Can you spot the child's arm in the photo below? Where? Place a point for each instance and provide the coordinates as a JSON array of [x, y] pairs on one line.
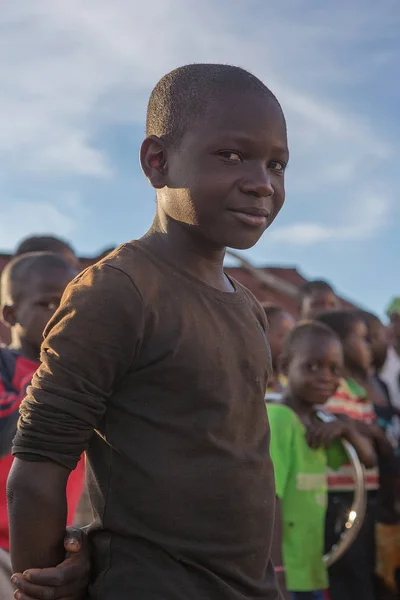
[[89, 345], [37, 513], [68, 580], [323, 434]]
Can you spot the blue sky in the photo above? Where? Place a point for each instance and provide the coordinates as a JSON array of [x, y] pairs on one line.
[[75, 77]]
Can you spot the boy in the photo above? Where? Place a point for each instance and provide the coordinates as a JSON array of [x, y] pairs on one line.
[[387, 530], [317, 297], [302, 447], [31, 290], [157, 363], [280, 323], [48, 243], [42, 243], [352, 575]]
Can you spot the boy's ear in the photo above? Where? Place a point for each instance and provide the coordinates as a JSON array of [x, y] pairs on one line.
[[154, 161], [8, 315]]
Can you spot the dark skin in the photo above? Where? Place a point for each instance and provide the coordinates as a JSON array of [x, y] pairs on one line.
[[320, 301], [280, 325], [314, 374], [358, 360], [314, 371], [27, 316], [222, 185]]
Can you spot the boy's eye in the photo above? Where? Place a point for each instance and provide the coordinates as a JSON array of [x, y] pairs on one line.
[[231, 156], [312, 367], [276, 165]]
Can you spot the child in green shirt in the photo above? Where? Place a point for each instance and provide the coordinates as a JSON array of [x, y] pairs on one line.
[[302, 446]]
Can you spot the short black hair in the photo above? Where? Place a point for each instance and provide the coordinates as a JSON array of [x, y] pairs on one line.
[[18, 273], [304, 331], [369, 318], [184, 95], [272, 310], [318, 285], [341, 321], [43, 243]]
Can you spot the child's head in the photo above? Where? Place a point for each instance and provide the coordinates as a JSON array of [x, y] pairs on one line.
[[313, 361], [31, 289], [317, 297], [216, 151], [280, 324], [48, 243], [378, 339], [353, 333]]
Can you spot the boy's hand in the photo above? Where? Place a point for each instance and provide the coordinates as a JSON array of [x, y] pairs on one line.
[[323, 434], [67, 581]]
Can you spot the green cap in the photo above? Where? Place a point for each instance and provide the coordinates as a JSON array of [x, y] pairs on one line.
[[394, 307]]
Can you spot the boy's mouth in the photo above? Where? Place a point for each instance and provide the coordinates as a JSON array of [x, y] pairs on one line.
[[251, 215]]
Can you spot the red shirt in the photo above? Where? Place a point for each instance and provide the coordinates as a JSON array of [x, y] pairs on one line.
[[15, 374]]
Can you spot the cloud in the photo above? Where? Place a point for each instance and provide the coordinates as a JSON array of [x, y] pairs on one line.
[[34, 217], [364, 218], [74, 68]]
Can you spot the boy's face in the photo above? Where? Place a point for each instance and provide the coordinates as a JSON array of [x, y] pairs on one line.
[[280, 326], [225, 181], [314, 371], [37, 303], [317, 303], [357, 351], [378, 339]]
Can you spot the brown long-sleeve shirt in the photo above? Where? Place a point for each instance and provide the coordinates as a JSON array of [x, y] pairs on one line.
[[161, 378]]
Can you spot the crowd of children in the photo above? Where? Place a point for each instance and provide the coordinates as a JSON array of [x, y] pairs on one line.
[[156, 365]]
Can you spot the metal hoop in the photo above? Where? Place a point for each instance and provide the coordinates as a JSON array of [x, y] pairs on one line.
[[357, 511]]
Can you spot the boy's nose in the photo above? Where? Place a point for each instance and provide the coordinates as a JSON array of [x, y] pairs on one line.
[[258, 184]]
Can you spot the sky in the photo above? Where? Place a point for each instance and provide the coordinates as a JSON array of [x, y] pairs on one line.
[[75, 78]]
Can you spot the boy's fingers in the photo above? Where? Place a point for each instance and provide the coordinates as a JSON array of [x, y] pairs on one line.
[[29, 590], [54, 576], [74, 539]]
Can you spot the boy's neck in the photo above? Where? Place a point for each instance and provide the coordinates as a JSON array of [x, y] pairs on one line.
[[188, 251], [23, 347], [302, 409]]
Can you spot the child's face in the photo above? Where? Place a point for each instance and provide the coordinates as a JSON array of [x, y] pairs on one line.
[[378, 340], [225, 181], [314, 371], [357, 351], [280, 326], [37, 304], [318, 303]]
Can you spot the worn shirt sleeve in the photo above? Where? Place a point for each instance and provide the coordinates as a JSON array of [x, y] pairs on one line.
[[89, 345]]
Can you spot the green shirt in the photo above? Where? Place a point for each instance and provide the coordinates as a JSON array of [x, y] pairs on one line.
[[301, 486]]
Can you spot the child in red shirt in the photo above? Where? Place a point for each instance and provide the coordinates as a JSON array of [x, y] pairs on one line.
[[31, 290]]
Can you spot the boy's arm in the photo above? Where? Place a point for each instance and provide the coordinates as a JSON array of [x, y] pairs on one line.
[[37, 513], [89, 345], [323, 434]]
